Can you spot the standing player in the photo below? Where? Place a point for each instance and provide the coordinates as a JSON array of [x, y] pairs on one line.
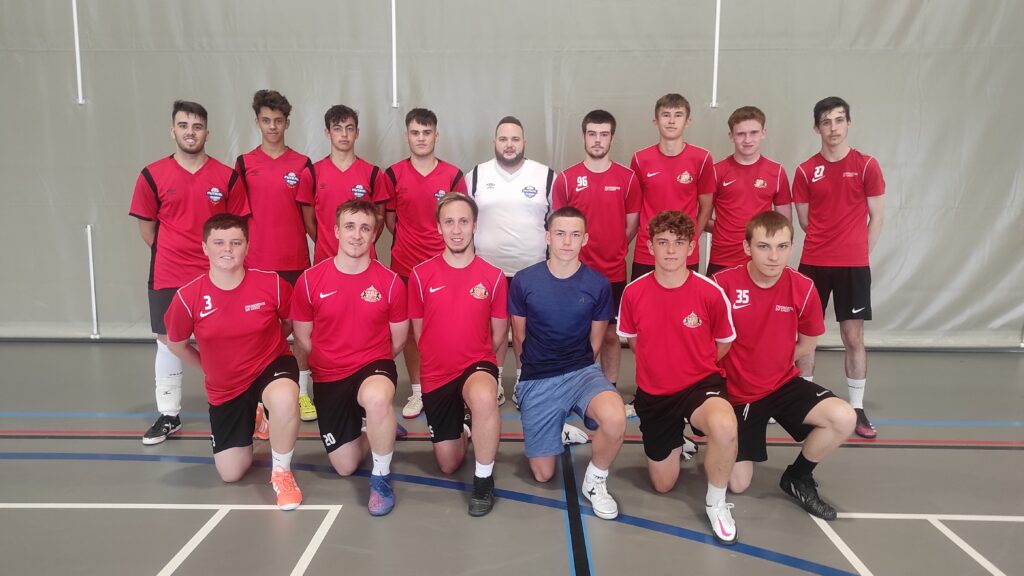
[[674, 175], [838, 195], [678, 325], [514, 196], [560, 310], [417, 184], [173, 197], [237, 317], [747, 183], [271, 176], [608, 194], [778, 319], [354, 375], [459, 310]]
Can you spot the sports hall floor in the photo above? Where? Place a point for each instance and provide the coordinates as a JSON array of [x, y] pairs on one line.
[[939, 492]]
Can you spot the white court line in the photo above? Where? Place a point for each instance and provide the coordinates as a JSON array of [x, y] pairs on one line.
[[147, 506], [843, 548], [191, 545], [929, 517], [314, 544], [968, 549]]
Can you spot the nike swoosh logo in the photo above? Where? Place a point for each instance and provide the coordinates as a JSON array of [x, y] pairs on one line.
[[858, 310], [276, 374], [652, 174], [727, 183], [384, 372], [206, 313], [322, 295], [712, 393], [816, 178], [580, 189], [725, 532], [738, 306], [822, 393], [432, 290]]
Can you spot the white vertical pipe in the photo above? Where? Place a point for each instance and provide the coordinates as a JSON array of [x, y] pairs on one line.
[[92, 284], [714, 76], [78, 51], [394, 58]]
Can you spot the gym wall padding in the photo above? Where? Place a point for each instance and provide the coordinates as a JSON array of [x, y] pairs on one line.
[[934, 86]]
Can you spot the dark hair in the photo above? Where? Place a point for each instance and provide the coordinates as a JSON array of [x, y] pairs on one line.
[[598, 117], [673, 221], [566, 212], [187, 107], [771, 221], [672, 101], [453, 197], [826, 105], [225, 221], [508, 120], [355, 206], [339, 113], [421, 116], [271, 99], [745, 113]]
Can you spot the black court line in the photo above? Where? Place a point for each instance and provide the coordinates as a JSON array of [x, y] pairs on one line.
[[577, 539]]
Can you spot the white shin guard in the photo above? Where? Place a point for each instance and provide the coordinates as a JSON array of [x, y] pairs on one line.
[[168, 371]]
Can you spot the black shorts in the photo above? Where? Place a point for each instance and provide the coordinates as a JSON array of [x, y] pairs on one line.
[[159, 302], [445, 407], [290, 276], [789, 405], [661, 417], [617, 288], [851, 286], [639, 270], [233, 422], [339, 415]]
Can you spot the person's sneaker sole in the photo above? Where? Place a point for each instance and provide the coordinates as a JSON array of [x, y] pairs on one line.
[[159, 439]]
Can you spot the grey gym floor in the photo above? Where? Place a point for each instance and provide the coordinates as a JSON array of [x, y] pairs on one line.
[[939, 491]]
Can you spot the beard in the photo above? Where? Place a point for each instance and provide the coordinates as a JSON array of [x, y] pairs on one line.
[[509, 162]]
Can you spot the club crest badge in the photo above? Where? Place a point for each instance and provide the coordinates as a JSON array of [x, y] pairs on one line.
[[529, 191], [760, 183], [291, 179], [371, 294], [359, 191], [215, 195], [684, 178], [479, 292], [439, 194], [692, 321]]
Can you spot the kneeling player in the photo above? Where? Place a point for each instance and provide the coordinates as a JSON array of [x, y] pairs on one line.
[[778, 319], [677, 322], [560, 310], [236, 316], [354, 375]]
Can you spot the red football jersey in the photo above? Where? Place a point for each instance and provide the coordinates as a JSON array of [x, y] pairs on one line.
[[670, 183], [604, 198], [325, 187], [767, 321], [351, 316], [836, 195], [277, 236], [456, 306], [181, 202], [675, 330], [238, 331], [414, 199], [743, 191]]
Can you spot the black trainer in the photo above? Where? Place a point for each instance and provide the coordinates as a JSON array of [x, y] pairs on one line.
[[482, 500], [163, 427], [806, 491]]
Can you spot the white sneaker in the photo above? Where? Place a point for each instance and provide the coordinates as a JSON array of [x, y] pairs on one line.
[[596, 490], [630, 411], [689, 449], [722, 525], [573, 435], [413, 407], [501, 395]]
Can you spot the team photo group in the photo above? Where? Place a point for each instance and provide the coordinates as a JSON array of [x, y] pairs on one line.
[[514, 252]]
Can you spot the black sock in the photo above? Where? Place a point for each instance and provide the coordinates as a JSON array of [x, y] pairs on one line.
[[802, 467]]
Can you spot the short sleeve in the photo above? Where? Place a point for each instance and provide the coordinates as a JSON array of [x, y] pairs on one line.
[[499, 301], [284, 298], [800, 183], [783, 195], [706, 181], [398, 305], [144, 198], [178, 319], [381, 186], [238, 196], [517, 297], [722, 329], [304, 195], [415, 299], [604, 309], [874, 184], [559, 194], [633, 195], [301, 308], [811, 321], [626, 326]]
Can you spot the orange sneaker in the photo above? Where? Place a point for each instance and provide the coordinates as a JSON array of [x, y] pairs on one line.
[[288, 494], [262, 429]]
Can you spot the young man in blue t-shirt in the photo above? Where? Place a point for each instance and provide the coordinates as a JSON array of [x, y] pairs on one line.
[[560, 310]]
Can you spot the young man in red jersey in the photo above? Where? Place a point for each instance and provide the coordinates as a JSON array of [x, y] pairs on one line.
[[678, 324], [674, 175], [747, 183], [778, 319], [173, 197], [458, 304], [237, 317], [354, 376], [278, 235], [608, 194], [417, 184], [839, 200]]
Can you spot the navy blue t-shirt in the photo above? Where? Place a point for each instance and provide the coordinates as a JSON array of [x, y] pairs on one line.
[[558, 317]]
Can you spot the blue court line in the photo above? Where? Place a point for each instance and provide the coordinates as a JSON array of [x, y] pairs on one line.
[[652, 525], [513, 416]]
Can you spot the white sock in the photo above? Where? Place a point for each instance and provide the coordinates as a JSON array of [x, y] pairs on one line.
[[484, 470], [856, 390], [304, 382], [595, 471], [519, 374], [167, 369], [416, 390], [715, 495], [809, 378], [282, 461], [501, 373], [381, 463]]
